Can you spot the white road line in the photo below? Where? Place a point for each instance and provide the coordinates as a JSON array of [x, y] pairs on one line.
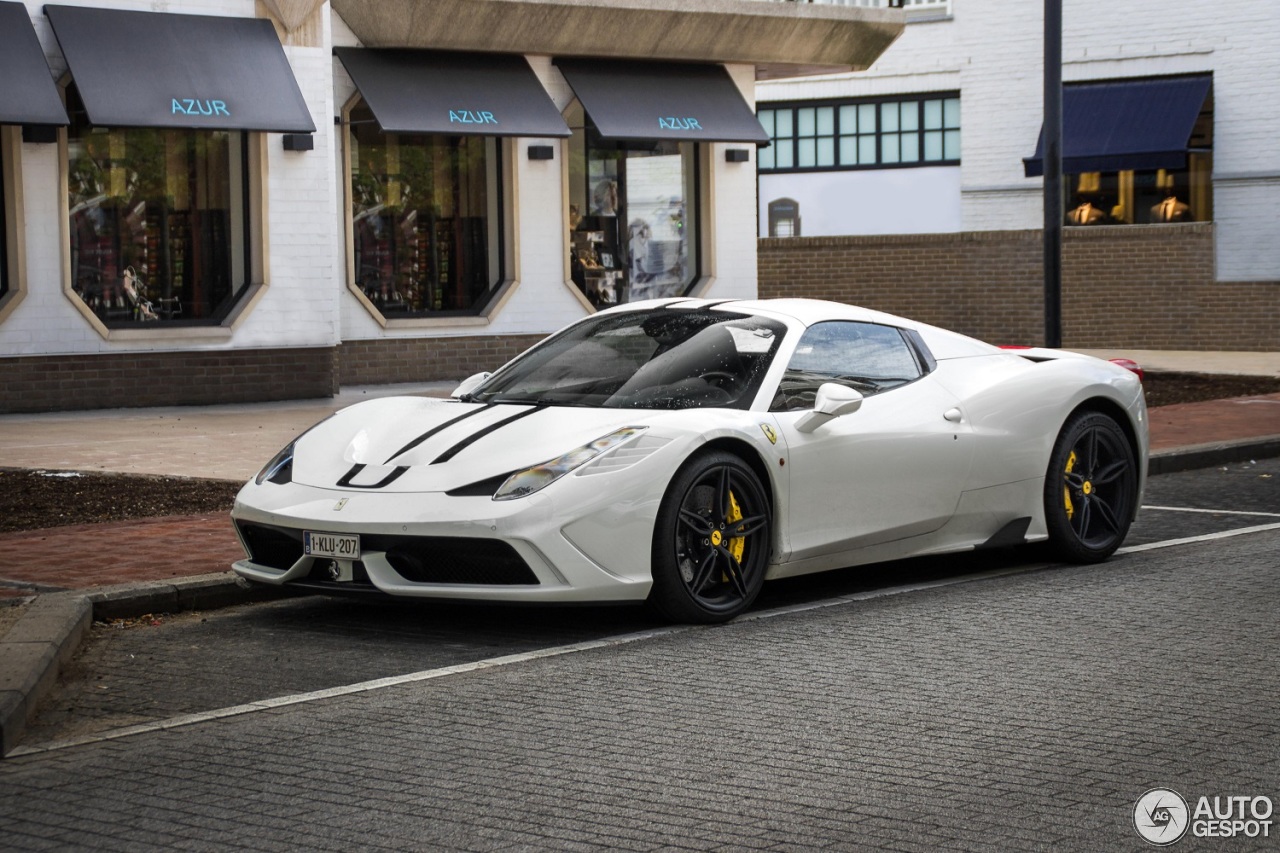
[[1191, 540], [574, 648], [1213, 511]]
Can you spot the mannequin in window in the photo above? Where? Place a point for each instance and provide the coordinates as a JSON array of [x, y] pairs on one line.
[[1171, 210], [1085, 214], [604, 200]]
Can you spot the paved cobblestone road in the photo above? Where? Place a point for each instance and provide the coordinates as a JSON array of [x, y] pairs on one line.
[[1021, 712]]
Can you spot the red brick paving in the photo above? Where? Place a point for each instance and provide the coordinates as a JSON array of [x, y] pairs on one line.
[[1189, 424], [161, 548], [89, 555]]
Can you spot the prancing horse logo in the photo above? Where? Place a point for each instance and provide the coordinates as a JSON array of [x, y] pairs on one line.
[[769, 433]]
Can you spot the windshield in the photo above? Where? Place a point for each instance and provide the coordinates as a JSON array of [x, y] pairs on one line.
[[663, 358]]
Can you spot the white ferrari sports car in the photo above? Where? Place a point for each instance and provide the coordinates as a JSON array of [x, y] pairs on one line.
[[683, 451]]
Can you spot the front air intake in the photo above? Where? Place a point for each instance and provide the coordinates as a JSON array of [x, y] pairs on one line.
[[453, 559]]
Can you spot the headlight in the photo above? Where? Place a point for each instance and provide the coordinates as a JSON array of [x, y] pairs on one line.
[[538, 477], [280, 468]]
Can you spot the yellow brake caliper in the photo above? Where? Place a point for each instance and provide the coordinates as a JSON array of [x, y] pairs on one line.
[[1066, 490], [735, 544]]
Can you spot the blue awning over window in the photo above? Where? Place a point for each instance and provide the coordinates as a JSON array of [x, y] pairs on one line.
[[28, 94], [1132, 124]]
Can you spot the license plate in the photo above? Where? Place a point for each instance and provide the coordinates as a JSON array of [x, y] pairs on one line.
[[344, 546]]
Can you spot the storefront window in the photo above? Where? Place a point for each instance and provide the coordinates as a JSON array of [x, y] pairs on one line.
[[157, 221], [1150, 196], [426, 223], [632, 216], [1154, 196]]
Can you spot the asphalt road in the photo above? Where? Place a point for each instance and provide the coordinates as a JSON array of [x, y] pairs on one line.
[[990, 701]]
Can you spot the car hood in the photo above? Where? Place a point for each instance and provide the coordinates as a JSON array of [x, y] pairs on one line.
[[422, 444]]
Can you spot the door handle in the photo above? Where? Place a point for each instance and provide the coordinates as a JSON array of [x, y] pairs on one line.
[[953, 415]]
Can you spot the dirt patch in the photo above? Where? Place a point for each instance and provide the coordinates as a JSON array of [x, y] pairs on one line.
[[1169, 388], [31, 500]]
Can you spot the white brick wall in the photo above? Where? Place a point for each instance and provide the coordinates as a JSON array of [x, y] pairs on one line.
[[993, 53], [732, 224]]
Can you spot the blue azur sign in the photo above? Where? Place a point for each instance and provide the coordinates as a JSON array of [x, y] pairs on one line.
[[199, 107], [673, 123], [471, 117]]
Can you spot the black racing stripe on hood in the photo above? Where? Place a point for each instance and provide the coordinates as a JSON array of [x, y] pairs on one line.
[[472, 439], [426, 435], [346, 483]]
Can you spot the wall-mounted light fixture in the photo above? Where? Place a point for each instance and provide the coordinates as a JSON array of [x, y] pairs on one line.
[[736, 155], [542, 152], [299, 142], [42, 133]]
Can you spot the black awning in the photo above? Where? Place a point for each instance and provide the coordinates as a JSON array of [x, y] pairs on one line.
[[662, 100], [152, 69], [28, 94], [460, 94], [1133, 124]]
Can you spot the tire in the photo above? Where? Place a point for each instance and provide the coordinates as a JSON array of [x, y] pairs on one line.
[[702, 572], [1090, 489]]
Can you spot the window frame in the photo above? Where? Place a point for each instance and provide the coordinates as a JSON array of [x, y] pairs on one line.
[[912, 344], [507, 277], [13, 265], [878, 102]]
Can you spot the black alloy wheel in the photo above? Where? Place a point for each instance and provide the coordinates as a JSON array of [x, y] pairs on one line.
[[1091, 489], [711, 542]]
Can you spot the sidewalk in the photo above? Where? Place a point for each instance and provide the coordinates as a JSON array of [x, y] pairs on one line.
[[73, 575]]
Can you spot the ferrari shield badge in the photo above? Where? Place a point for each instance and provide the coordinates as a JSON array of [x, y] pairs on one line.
[[769, 433]]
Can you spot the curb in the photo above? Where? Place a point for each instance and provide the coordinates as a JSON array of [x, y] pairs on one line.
[[1209, 455], [51, 630], [43, 641]]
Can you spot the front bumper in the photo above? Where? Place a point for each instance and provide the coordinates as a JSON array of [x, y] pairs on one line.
[[573, 547]]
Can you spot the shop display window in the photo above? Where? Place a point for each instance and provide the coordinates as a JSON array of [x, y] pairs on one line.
[[1150, 197], [632, 215], [426, 225], [157, 221]]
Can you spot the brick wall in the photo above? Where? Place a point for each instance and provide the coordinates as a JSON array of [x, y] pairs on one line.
[[120, 380], [386, 360], [1123, 287]]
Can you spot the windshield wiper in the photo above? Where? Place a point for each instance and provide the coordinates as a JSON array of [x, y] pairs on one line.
[[527, 401]]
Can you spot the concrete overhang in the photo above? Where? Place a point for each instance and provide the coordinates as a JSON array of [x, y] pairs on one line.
[[779, 39]]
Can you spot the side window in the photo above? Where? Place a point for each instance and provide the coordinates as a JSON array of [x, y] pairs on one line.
[[865, 356]]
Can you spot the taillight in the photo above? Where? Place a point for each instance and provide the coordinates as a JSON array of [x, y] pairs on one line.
[[1131, 366]]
